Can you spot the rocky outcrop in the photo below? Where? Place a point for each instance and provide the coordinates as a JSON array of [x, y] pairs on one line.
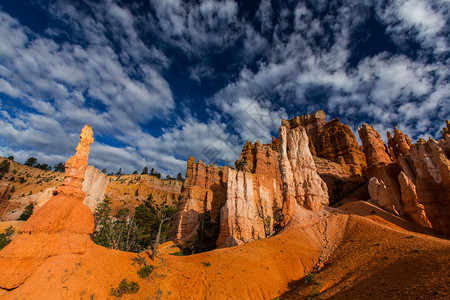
[[62, 226], [337, 143], [379, 194], [335, 148], [411, 205], [381, 166], [239, 221], [203, 194], [431, 168], [301, 184], [269, 182], [374, 148], [258, 180], [17, 205], [94, 185], [415, 179]]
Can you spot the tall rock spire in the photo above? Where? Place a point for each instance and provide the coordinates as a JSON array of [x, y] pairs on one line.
[[62, 226]]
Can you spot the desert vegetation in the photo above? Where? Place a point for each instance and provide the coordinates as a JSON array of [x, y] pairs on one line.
[[146, 228]]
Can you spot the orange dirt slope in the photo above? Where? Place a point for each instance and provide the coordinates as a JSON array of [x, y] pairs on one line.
[[378, 259]]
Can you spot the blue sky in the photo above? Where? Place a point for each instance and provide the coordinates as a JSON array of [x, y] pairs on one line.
[[160, 81]]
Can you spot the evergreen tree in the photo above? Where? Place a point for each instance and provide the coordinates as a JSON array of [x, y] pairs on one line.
[[179, 176], [149, 226], [144, 171], [4, 168], [27, 212], [59, 167], [5, 238], [31, 162]]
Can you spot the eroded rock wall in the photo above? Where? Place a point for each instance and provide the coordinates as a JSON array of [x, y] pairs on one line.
[[414, 179], [204, 192]]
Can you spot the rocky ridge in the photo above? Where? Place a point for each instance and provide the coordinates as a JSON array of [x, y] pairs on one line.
[[407, 178]]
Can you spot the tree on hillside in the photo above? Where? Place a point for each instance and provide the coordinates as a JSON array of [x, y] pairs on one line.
[[144, 171], [59, 167], [44, 167], [5, 238], [115, 232], [31, 162], [179, 176], [165, 214], [135, 172], [104, 171], [149, 225], [119, 172], [27, 212], [11, 158], [4, 168]]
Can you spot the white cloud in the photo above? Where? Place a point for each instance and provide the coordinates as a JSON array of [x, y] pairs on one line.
[[107, 76]]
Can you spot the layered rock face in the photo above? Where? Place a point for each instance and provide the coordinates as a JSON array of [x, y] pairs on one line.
[[203, 194], [94, 185], [125, 191], [253, 207], [62, 226], [301, 184], [337, 143], [338, 156], [416, 177], [411, 205], [381, 167], [269, 182], [129, 191]]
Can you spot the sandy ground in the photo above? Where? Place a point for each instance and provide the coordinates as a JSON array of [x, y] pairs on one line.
[[15, 224], [362, 255], [380, 259]]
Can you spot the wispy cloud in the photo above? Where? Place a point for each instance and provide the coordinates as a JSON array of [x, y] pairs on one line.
[[112, 65]]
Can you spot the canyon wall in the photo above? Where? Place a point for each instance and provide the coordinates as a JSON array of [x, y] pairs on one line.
[[258, 196], [407, 178]]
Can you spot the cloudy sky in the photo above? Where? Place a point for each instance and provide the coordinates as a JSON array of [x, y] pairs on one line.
[[162, 80]]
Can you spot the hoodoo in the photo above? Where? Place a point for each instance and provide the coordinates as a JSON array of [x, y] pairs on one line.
[[61, 226]]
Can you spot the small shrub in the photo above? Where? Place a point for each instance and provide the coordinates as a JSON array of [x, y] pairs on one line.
[[27, 212], [315, 293], [125, 287], [5, 238], [145, 271], [309, 277], [206, 264]]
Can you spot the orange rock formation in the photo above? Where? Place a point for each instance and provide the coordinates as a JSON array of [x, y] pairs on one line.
[[417, 183], [62, 225]]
